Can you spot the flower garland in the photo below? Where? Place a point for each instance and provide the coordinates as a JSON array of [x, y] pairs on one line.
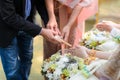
[[117, 39], [94, 38], [64, 67]]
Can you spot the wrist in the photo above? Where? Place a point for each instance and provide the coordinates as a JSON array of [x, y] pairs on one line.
[[110, 29], [52, 16], [68, 26], [42, 32]]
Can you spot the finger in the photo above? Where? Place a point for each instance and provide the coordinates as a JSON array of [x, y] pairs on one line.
[[66, 38], [54, 32], [55, 29], [99, 26], [63, 35], [59, 33], [51, 28], [104, 21]]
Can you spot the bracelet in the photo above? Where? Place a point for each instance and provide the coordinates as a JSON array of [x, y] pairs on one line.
[[87, 61], [92, 56]]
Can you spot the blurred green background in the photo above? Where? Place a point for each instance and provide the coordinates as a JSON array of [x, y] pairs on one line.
[[108, 10]]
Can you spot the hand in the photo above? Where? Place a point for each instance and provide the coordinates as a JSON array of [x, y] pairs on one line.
[[106, 26], [81, 51], [65, 33], [52, 24], [49, 35]]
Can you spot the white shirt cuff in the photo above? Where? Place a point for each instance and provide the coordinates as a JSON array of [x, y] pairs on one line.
[[115, 32]]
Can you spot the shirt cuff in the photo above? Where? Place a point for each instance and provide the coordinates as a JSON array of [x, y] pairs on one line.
[[115, 32]]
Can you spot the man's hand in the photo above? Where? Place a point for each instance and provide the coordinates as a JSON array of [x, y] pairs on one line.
[[49, 35]]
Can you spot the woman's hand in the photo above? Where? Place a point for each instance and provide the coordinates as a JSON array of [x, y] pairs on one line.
[[82, 51], [52, 24], [106, 26], [65, 33]]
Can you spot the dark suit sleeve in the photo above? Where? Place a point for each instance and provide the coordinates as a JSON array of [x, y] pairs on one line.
[[41, 8], [15, 21]]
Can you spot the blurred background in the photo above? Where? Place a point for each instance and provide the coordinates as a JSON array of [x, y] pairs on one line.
[[108, 10]]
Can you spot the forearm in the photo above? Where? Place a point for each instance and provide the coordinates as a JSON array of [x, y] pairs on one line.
[[77, 9], [118, 26], [103, 55], [14, 20], [50, 8], [75, 13]]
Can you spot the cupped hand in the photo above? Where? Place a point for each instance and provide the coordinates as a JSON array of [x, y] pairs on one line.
[[106, 26], [83, 51]]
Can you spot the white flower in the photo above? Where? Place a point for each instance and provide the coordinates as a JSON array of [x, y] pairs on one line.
[[99, 40], [65, 65], [64, 59], [57, 73]]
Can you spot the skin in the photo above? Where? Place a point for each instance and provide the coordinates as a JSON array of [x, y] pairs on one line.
[[49, 35], [71, 21], [52, 23], [84, 52], [107, 26]]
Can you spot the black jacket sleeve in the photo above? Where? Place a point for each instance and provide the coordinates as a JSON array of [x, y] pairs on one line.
[[15, 21]]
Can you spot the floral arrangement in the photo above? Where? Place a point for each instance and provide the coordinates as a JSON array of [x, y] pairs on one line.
[[65, 67], [117, 39], [96, 39]]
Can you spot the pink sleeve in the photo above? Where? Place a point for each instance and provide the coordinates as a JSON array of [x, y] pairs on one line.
[[85, 3], [88, 11], [69, 3]]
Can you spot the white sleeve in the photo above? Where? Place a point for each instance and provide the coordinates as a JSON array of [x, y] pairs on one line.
[[115, 32], [85, 3]]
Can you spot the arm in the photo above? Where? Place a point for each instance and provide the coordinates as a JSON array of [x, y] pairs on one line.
[[109, 26], [50, 9], [77, 9], [73, 17], [100, 54], [75, 12], [52, 23], [103, 55], [71, 21], [15, 21], [41, 8], [118, 26]]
